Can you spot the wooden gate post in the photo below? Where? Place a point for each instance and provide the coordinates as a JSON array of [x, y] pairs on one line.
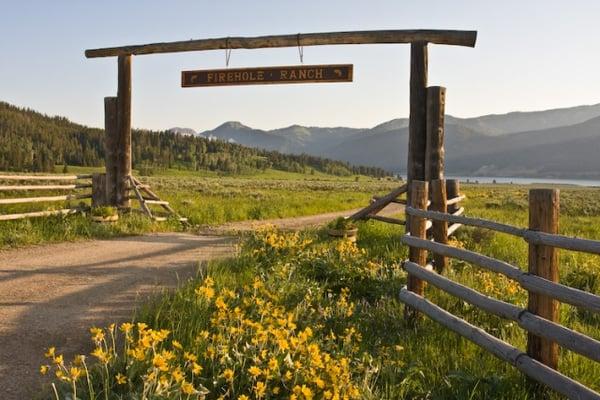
[[543, 262], [452, 191], [124, 132], [439, 228], [111, 149], [417, 228], [417, 138], [98, 190], [434, 151]]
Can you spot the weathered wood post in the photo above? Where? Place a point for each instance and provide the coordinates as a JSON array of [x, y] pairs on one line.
[[434, 152], [543, 262], [417, 138], [452, 191], [417, 228], [98, 190], [439, 228], [124, 132], [111, 149]]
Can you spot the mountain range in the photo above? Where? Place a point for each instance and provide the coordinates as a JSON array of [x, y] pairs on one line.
[[560, 143]]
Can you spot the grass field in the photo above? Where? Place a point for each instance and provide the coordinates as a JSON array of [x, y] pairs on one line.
[[302, 316], [203, 197]]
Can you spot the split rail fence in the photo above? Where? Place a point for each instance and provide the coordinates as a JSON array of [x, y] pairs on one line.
[[71, 184], [540, 319]]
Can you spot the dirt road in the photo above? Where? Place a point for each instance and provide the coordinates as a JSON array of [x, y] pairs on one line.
[[52, 294]]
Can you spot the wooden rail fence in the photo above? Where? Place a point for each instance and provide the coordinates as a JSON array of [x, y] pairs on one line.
[[540, 319], [22, 183], [439, 200]]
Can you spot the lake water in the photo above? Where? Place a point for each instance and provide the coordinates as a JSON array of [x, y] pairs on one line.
[[523, 181], [526, 181]]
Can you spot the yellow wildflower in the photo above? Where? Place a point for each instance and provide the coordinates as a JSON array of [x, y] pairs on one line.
[[44, 369], [228, 375], [51, 352], [320, 383], [160, 362], [126, 327], [61, 375], [187, 388], [308, 394], [101, 355], [177, 375], [254, 371], [177, 345], [196, 368], [75, 373], [260, 388], [97, 334], [273, 363], [121, 379]]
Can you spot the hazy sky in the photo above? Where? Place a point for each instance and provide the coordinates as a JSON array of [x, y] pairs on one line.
[[530, 55]]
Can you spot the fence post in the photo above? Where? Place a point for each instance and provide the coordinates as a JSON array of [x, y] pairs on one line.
[[111, 148], [417, 135], [417, 228], [543, 262], [439, 228], [452, 190], [98, 190], [434, 152], [124, 131]]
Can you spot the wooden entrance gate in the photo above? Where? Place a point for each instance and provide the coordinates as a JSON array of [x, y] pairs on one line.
[[118, 109]]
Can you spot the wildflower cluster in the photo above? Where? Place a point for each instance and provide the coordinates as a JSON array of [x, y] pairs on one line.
[[251, 348], [146, 360], [271, 248], [498, 286], [256, 349]]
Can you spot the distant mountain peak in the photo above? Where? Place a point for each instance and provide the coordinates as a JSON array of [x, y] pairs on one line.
[[233, 125]]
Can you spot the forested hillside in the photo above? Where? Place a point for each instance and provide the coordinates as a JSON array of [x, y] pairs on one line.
[[31, 141]]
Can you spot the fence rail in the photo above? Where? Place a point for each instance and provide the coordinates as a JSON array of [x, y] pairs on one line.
[[44, 177], [528, 281], [531, 236], [22, 183], [566, 337], [504, 351], [540, 319]]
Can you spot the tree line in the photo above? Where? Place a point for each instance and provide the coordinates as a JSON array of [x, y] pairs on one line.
[[34, 142]]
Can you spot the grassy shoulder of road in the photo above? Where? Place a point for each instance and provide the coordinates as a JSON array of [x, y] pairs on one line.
[[301, 315], [204, 197]]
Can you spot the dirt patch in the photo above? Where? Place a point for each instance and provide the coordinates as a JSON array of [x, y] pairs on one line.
[[291, 223]]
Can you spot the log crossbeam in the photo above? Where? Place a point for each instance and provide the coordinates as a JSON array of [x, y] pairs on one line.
[[447, 37]]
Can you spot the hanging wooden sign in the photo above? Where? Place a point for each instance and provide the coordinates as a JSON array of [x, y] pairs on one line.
[[268, 75]]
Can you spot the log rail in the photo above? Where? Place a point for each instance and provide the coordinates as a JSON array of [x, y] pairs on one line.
[[22, 183], [540, 318], [447, 37]]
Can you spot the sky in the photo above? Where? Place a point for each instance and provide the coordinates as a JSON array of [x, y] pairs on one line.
[[530, 55]]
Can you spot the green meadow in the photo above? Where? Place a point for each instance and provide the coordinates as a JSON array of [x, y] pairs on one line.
[[276, 320], [205, 198]]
